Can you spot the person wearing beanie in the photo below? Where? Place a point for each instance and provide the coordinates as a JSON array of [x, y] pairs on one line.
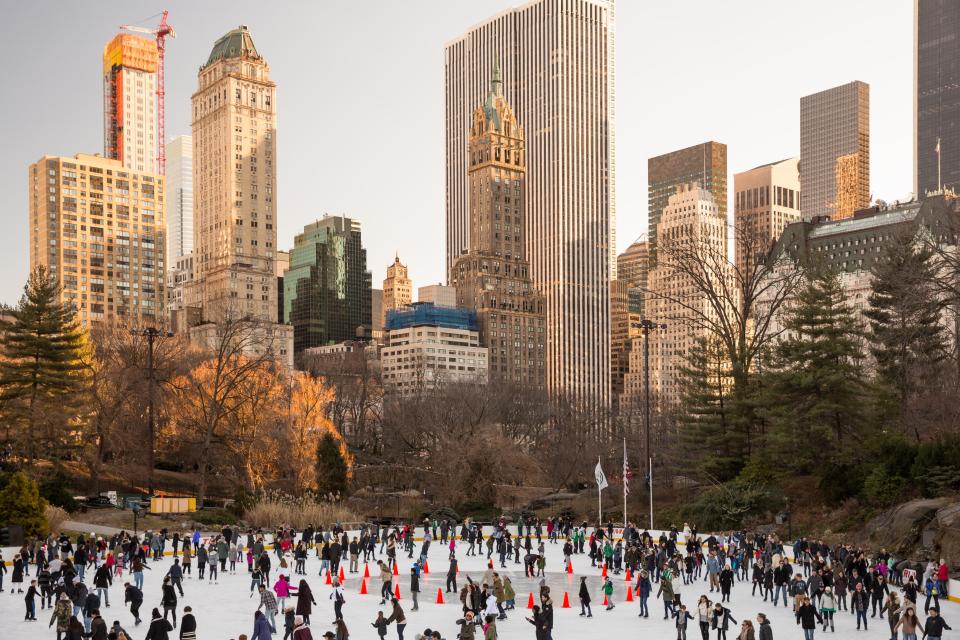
[[160, 627]]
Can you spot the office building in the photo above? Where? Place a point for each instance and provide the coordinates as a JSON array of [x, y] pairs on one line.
[[130, 102], [557, 60], [99, 229], [691, 217], [234, 141], [376, 310], [765, 200], [326, 290], [835, 151], [429, 346], [492, 277], [397, 288], [179, 197], [281, 264], [438, 294], [182, 312], [936, 95], [704, 164]]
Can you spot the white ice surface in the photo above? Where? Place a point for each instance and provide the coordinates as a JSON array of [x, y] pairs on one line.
[[224, 610]]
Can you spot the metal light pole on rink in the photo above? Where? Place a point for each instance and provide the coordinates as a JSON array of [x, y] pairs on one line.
[[151, 334], [646, 326]]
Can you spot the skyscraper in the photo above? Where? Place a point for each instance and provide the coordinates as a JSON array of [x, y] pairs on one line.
[[234, 135], [179, 198], [765, 200], [835, 151], [493, 276], [692, 217], [397, 288], [557, 58], [326, 290], [936, 95], [106, 251], [633, 265], [130, 102], [704, 164]]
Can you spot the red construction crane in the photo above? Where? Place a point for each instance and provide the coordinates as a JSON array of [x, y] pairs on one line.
[[161, 32]]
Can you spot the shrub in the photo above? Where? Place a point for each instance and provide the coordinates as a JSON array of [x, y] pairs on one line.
[[277, 508], [21, 504], [936, 468], [215, 517], [841, 481], [54, 489], [730, 505], [447, 513], [55, 518], [882, 489]]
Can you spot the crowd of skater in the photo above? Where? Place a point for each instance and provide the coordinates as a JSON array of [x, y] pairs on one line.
[[692, 575]]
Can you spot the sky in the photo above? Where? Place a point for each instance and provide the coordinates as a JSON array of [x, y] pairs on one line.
[[360, 98]]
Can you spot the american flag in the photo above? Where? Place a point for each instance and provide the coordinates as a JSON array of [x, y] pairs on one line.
[[627, 474]]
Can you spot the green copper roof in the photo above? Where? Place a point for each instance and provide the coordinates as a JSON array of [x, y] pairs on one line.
[[496, 90], [235, 44]]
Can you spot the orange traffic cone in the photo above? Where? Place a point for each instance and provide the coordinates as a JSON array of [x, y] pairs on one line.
[[341, 575], [426, 567], [603, 574], [628, 577], [395, 572], [605, 603], [566, 601], [366, 570], [363, 588], [396, 592], [629, 594], [530, 601], [328, 580], [569, 567], [439, 596]]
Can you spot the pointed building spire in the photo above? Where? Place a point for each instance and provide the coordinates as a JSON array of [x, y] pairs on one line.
[[496, 79]]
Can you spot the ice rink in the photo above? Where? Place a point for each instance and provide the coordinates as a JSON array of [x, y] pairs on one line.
[[225, 610]]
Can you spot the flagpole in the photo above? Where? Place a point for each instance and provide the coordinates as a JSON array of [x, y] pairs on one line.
[[939, 179], [599, 500]]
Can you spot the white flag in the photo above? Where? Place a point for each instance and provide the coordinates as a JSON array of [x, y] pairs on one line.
[[601, 479]]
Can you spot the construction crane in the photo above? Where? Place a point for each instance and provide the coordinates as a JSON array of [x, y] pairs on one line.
[[161, 32]]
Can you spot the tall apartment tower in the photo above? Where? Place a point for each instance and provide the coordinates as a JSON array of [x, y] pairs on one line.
[[557, 57], [626, 309], [234, 171], [397, 289], [765, 200], [493, 276], [130, 102], [326, 290], [835, 151], [704, 164], [179, 198], [106, 250], [936, 95], [692, 216]]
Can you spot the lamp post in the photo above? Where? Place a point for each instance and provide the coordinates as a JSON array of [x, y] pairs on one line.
[[646, 326], [151, 334]]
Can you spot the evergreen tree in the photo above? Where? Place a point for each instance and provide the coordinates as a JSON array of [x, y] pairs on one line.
[[332, 468], [41, 373], [21, 504], [713, 443], [908, 339], [817, 385]]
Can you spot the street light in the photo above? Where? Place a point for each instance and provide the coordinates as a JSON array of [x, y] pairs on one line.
[[151, 333], [646, 326]]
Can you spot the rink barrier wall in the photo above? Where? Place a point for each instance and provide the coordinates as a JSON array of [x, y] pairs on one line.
[[953, 588]]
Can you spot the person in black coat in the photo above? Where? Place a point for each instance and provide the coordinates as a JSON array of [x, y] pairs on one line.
[[720, 620], [135, 597], [808, 617], [539, 624], [188, 625], [169, 601], [159, 627], [585, 598]]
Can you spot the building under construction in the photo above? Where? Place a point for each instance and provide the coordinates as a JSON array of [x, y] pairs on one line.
[[130, 102]]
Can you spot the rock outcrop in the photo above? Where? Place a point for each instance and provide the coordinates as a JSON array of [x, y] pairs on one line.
[[919, 530]]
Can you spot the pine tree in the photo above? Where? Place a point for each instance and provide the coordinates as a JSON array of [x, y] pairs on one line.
[[332, 468], [21, 504], [907, 336], [41, 374], [714, 444], [817, 383]]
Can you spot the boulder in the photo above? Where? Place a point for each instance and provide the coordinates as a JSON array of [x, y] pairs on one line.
[[919, 530]]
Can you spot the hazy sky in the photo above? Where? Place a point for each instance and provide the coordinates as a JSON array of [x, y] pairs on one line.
[[360, 98]]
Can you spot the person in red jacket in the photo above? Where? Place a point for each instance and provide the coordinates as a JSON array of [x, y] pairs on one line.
[[943, 577]]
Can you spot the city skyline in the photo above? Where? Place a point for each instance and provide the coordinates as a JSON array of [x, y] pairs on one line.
[[310, 188]]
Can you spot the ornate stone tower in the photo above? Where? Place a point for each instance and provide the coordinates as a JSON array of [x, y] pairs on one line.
[[493, 276]]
